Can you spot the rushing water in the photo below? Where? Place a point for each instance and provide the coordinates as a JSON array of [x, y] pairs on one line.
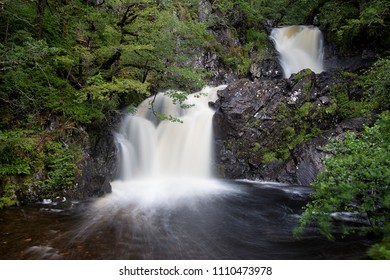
[[300, 47], [151, 148], [166, 205], [243, 220]]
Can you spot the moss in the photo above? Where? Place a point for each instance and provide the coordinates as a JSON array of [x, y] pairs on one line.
[[253, 124], [307, 88], [256, 147], [296, 126], [303, 112], [283, 153], [287, 134], [269, 157], [302, 74], [347, 107], [283, 113], [7, 195], [332, 109], [228, 144]]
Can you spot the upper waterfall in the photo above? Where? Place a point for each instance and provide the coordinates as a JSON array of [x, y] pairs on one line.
[[300, 47]]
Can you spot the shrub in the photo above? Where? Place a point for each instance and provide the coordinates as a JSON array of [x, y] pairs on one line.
[[357, 180]]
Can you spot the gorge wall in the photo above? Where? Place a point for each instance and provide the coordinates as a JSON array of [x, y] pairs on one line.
[[266, 126]]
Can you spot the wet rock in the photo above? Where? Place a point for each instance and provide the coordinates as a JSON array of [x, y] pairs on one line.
[[204, 10], [266, 68], [275, 129], [308, 156], [325, 100], [308, 160], [353, 62], [100, 165], [220, 74], [245, 114]]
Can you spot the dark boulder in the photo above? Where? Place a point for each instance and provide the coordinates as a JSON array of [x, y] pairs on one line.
[[100, 160], [266, 67], [275, 129]]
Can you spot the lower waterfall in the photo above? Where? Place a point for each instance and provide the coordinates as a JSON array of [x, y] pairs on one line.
[[164, 161]]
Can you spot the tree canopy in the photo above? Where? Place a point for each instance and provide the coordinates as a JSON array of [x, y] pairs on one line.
[[66, 64]]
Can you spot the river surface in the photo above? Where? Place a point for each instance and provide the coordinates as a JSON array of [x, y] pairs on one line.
[[246, 220]]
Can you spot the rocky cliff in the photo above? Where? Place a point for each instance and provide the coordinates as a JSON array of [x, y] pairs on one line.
[[100, 164], [271, 128]]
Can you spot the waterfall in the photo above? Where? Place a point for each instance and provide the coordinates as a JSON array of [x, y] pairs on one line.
[[164, 160], [300, 47]]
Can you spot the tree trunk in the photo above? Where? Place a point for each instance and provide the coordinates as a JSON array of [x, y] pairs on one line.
[[41, 5]]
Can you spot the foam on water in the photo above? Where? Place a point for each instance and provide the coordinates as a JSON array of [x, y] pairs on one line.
[[164, 192]]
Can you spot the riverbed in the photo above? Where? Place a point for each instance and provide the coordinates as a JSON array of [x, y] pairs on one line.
[[243, 220]]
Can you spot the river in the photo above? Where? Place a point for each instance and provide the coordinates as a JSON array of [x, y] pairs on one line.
[[247, 220]]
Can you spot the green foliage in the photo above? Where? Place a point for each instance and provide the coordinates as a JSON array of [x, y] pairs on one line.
[[98, 57], [35, 162], [16, 147], [376, 83], [356, 180], [269, 157], [17, 153], [257, 36], [245, 21], [299, 125], [60, 164], [7, 195], [175, 40], [348, 106], [371, 91], [356, 24], [381, 250], [177, 97]]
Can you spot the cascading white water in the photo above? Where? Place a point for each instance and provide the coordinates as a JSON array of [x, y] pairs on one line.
[[165, 161], [300, 47], [153, 148]]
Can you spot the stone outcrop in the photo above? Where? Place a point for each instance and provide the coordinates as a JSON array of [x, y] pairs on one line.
[[100, 161], [275, 129]]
